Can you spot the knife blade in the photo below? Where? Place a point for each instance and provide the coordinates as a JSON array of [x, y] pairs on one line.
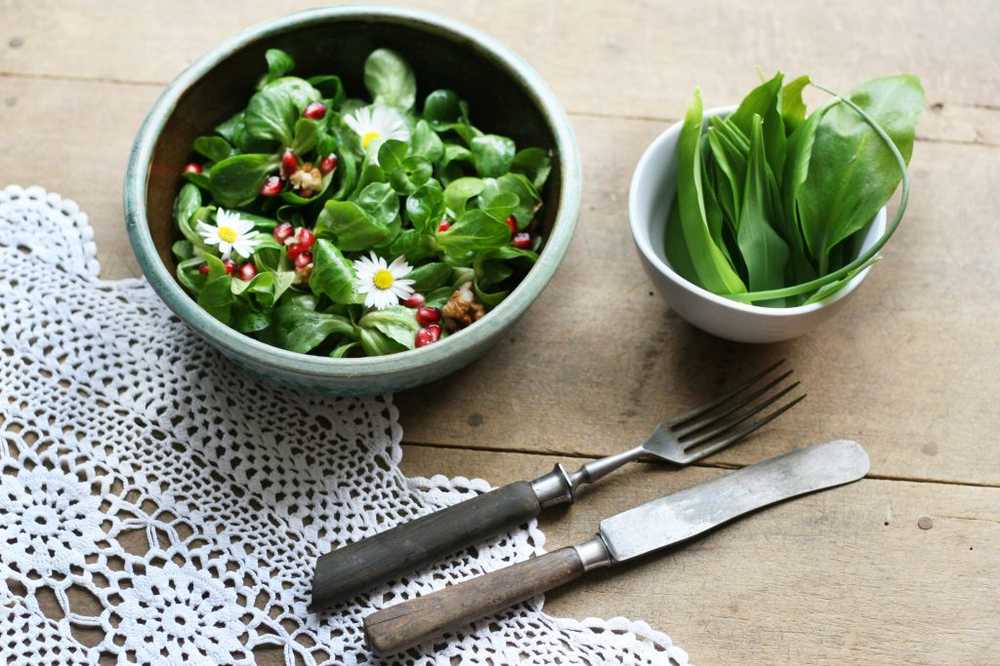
[[658, 524]]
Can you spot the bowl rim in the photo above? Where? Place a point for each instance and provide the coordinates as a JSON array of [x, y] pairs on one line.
[[458, 344], [640, 236]]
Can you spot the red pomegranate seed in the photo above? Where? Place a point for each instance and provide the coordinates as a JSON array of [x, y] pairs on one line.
[[315, 111], [428, 316], [415, 301], [444, 226], [512, 223], [294, 250], [426, 336], [282, 232], [522, 240], [192, 167], [230, 266], [328, 164], [305, 237], [272, 187], [203, 269], [303, 259], [289, 163], [247, 271]]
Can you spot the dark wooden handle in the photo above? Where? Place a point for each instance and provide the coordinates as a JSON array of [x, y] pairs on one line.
[[412, 622], [357, 567]]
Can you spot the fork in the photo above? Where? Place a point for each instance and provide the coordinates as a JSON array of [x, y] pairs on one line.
[[357, 567]]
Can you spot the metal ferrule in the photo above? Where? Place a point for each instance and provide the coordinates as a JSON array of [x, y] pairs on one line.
[[559, 486], [593, 553]]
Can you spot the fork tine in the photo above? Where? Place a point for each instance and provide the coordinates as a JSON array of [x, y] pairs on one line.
[[737, 404], [732, 423], [704, 409], [743, 432]]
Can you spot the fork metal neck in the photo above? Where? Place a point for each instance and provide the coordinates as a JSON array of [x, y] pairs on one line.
[[560, 485]]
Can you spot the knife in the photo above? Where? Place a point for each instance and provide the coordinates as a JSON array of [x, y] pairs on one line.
[[663, 522]]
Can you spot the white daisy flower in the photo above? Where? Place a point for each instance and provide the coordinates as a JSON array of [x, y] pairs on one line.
[[383, 285], [375, 125], [231, 232]]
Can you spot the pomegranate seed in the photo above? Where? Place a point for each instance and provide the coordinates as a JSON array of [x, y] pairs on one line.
[[230, 266], [306, 194], [192, 167], [303, 259], [512, 223], [289, 163], [522, 240], [272, 187], [306, 237], [282, 232], [247, 271], [294, 250], [415, 301], [315, 111], [427, 316], [203, 269], [444, 226], [426, 336], [328, 164]]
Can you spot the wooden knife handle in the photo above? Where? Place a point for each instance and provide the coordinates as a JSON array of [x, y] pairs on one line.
[[357, 567], [412, 622]]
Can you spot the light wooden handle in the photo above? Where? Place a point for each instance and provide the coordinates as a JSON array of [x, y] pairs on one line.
[[412, 622]]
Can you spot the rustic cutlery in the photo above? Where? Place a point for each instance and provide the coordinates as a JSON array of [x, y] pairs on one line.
[[683, 440], [651, 526]]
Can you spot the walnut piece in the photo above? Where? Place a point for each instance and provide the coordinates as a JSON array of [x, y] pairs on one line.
[[307, 177], [462, 308]]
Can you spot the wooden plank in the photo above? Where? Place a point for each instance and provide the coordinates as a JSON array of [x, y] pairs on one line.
[[599, 359], [620, 59], [844, 576]]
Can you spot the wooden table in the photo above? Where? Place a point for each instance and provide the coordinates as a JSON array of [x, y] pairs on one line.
[[903, 567]]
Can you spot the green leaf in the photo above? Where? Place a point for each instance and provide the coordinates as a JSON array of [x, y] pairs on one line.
[[830, 289], [390, 80], [757, 102], [675, 247], [426, 143], [414, 245], [397, 323], [341, 350], [306, 133], [330, 87], [438, 297], [216, 296], [458, 193], [300, 91], [710, 264], [430, 276], [442, 108], [349, 226], [492, 154], [188, 275], [182, 249], [376, 344], [380, 202], [411, 175], [279, 63], [474, 231], [500, 205], [535, 164], [528, 199], [391, 155], [215, 148], [763, 250], [188, 201], [236, 180], [425, 207], [271, 115], [332, 274], [233, 129], [852, 173], [793, 109], [297, 326]]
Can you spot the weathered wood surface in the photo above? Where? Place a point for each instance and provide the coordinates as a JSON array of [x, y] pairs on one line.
[[911, 367]]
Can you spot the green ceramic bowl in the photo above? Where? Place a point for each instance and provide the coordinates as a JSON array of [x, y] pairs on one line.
[[505, 94]]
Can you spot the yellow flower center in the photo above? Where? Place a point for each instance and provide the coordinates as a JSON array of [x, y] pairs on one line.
[[368, 137], [228, 234], [383, 279]]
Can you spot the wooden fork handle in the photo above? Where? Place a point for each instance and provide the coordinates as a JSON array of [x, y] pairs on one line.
[[357, 567], [412, 622]]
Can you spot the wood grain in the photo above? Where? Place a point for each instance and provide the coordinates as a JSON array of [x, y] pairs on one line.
[[412, 622], [841, 577]]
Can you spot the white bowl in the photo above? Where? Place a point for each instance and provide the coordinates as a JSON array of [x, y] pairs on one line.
[[650, 195]]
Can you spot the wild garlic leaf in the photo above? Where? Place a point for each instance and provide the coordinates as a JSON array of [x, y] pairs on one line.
[[758, 101], [793, 109], [710, 264], [858, 173], [390, 80], [763, 250]]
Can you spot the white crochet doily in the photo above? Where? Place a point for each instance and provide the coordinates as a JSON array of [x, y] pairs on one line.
[[117, 424]]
